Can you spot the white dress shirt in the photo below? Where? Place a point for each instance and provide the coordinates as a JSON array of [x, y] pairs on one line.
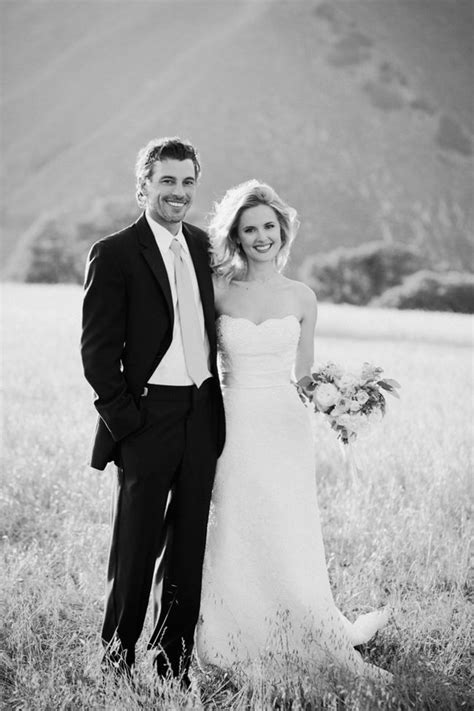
[[172, 368]]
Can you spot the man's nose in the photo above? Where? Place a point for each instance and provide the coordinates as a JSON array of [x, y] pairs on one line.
[[178, 191]]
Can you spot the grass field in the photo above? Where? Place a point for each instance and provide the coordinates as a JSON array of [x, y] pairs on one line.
[[399, 534]]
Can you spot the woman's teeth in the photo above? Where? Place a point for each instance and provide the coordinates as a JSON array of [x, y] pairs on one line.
[[263, 247]]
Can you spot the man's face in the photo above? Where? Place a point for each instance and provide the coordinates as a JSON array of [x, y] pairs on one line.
[[170, 192]]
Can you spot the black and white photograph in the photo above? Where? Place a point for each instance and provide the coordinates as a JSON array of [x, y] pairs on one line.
[[237, 287]]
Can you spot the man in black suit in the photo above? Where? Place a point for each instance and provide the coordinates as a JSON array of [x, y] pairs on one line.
[[160, 423]]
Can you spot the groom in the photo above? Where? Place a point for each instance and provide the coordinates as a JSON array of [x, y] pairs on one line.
[[149, 352]]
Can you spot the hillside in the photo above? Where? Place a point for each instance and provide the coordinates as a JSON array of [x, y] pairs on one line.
[[359, 113]]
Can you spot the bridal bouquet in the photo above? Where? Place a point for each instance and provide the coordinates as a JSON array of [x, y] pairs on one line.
[[351, 402]]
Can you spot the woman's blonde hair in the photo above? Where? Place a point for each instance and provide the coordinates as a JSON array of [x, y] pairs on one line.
[[227, 258]]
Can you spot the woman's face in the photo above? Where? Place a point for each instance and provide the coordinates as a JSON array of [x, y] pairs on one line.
[[259, 233]]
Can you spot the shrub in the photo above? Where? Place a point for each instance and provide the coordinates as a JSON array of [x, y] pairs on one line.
[[50, 254], [356, 275], [55, 248], [432, 291]]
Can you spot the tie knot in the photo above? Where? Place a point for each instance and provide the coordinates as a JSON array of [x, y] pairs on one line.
[[175, 247]]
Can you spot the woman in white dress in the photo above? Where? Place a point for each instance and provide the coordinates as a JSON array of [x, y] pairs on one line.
[[266, 593]]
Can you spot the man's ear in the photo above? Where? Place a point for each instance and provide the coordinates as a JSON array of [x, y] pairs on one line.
[[143, 192]]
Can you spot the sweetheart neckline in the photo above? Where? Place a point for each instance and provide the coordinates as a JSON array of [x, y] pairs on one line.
[[248, 320]]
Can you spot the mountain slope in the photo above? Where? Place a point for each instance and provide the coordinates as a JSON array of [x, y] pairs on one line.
[[360, 113]]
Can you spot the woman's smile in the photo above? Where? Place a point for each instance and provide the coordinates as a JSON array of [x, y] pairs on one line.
[[263, 246]]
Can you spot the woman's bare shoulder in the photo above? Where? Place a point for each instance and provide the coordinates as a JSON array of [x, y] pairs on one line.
[[219, 283], [302, 292]]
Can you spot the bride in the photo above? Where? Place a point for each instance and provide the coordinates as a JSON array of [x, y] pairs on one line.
[[266, 592]]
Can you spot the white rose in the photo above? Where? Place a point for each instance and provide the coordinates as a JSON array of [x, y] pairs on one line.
[[325, 395], [348, 422], [343, 405], [375, 416], [331, 371], [362, 422], [362, 397], [347, 383]]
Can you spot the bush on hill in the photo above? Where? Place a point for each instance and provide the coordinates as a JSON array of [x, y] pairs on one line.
[[56, 247], [51, 253], [431, 291], [376, 273], [356, 275]]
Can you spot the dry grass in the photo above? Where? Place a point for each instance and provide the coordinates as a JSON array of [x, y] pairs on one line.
[[399, 535]]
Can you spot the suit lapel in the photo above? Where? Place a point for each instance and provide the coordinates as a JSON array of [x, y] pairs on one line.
[[152, 255], [203, 275], [155, 261]]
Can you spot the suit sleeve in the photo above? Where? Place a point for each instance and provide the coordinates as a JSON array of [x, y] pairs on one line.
[[104, 321]]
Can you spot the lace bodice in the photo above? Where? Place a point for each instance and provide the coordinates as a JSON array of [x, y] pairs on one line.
[[257, 355]]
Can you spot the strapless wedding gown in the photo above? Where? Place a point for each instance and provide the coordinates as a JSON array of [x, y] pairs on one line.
[[266, 591]]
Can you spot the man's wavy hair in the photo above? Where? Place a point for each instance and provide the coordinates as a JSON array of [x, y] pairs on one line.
[[159, 149], [227, 258]]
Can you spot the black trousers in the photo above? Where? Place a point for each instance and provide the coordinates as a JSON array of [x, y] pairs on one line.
[[161, 507]]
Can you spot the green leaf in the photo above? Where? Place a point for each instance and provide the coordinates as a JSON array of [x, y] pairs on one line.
[[392, 382]]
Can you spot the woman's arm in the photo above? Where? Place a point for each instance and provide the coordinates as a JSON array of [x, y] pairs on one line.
[[220, 288], [309, 310]]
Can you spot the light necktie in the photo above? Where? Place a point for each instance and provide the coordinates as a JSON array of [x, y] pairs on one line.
[[193, 344]]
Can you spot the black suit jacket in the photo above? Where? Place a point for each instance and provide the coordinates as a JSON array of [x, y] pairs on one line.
[[128, 325]]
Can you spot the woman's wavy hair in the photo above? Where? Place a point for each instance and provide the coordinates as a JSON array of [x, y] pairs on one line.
[[162, 149], [227, 258]]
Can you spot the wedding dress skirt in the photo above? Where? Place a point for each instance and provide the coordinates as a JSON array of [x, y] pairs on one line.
[[266, 589]]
